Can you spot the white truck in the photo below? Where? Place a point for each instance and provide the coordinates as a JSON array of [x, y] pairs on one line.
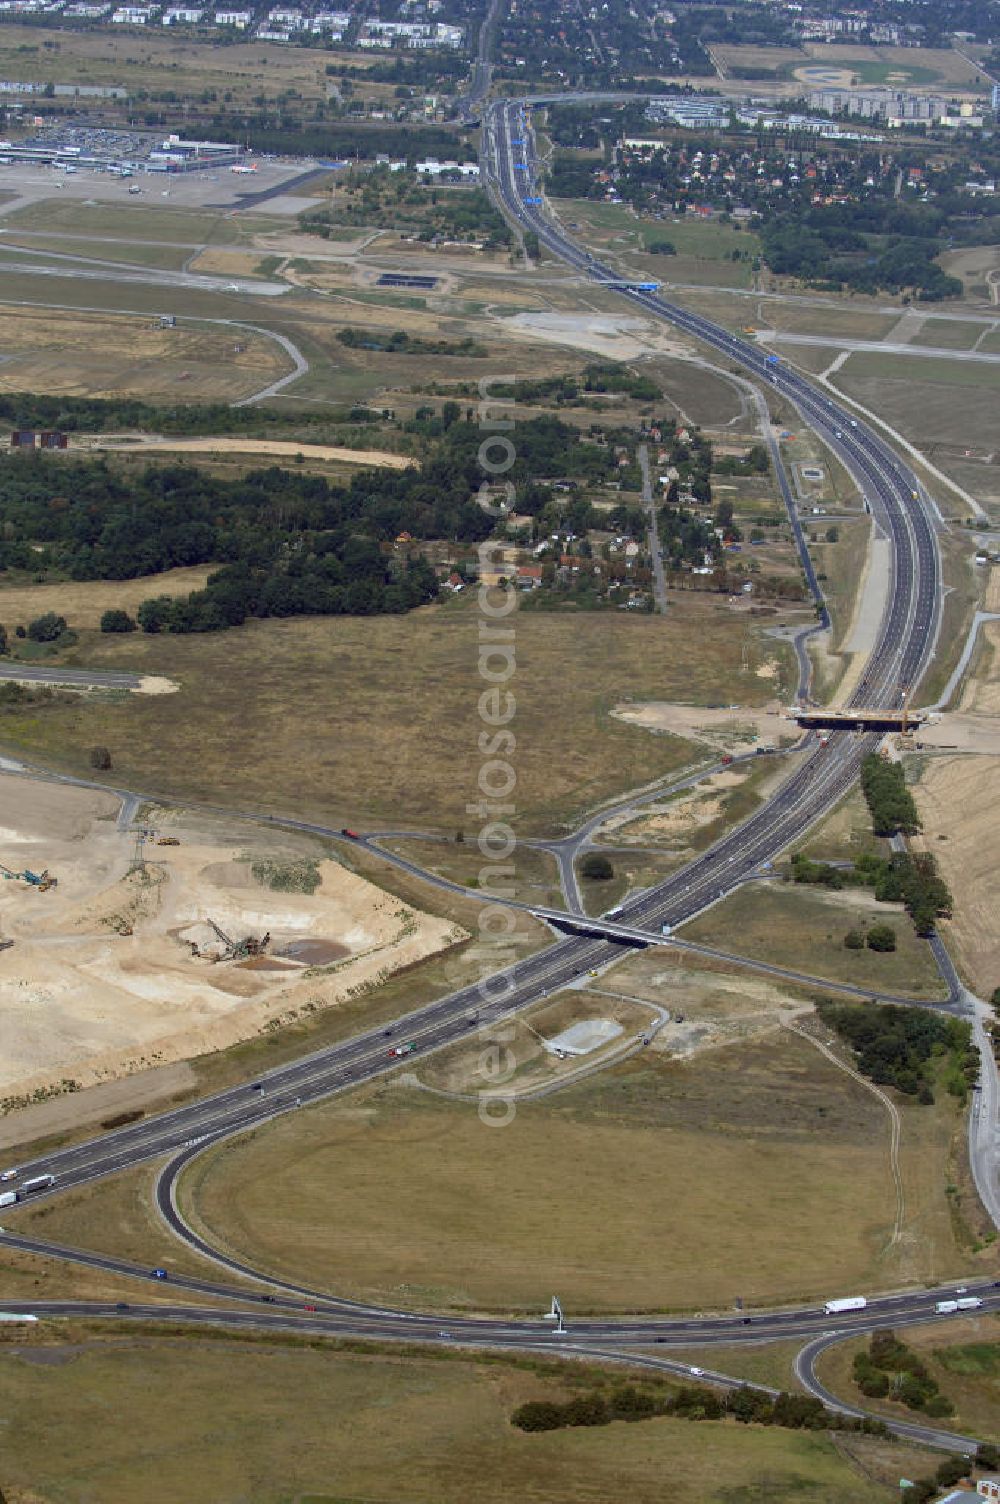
[[8, 1198], [960, 1303], [848, 1303], [39, 1183]]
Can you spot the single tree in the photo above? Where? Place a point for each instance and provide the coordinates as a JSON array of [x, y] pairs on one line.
[[47, 628], [881, 937], [116, 620]]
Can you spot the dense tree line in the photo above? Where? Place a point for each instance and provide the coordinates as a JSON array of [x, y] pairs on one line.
[[889, 800], [750, 1406], [420, 73], [865, 247], [355, 580], [569, 390], [754, 462], [288, 543], [115, 414], [401, 343], [911, 879], [685, 537], [345, 138], [897, 1046]]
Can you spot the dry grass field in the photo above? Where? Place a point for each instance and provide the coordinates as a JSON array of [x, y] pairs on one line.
[[846, 833], [766, 60], [154, 224], [957, 797], [96, 249], [535, 878], [948, 334], [804, 928], [978, 267], [83, 603], [842, 565], [703, 250], [107, 355], [409, 1198], [31, 1277], [156, 61], [847, 320], [699, 396], [374, 720], [930, 402], [273, 1421]]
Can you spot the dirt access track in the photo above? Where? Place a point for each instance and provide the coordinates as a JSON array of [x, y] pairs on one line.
[[278, 448], [103, 979]]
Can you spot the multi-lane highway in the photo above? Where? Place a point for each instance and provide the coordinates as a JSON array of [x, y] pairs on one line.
[[905, 643]]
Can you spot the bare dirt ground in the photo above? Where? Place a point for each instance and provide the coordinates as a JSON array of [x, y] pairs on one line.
[[102, 981], [677, 821], [962, 732], [281, 448], [726, 728], [708, 1009], [617, 337], [975, 725], [129, 1094]]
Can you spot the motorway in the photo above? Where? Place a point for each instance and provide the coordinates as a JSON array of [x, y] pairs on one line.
[[905, 643]]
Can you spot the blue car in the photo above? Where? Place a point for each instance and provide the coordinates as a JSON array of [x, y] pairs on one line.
[[160, 1274]]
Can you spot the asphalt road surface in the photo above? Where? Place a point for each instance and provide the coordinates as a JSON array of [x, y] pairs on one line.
[[81, 678]]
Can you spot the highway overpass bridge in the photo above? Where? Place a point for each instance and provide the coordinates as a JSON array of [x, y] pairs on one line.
[[858, 719]]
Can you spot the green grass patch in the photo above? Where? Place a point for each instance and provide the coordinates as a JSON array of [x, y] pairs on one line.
[[286, 877]]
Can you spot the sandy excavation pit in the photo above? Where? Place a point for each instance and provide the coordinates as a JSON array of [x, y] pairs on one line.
[[111, 972]]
